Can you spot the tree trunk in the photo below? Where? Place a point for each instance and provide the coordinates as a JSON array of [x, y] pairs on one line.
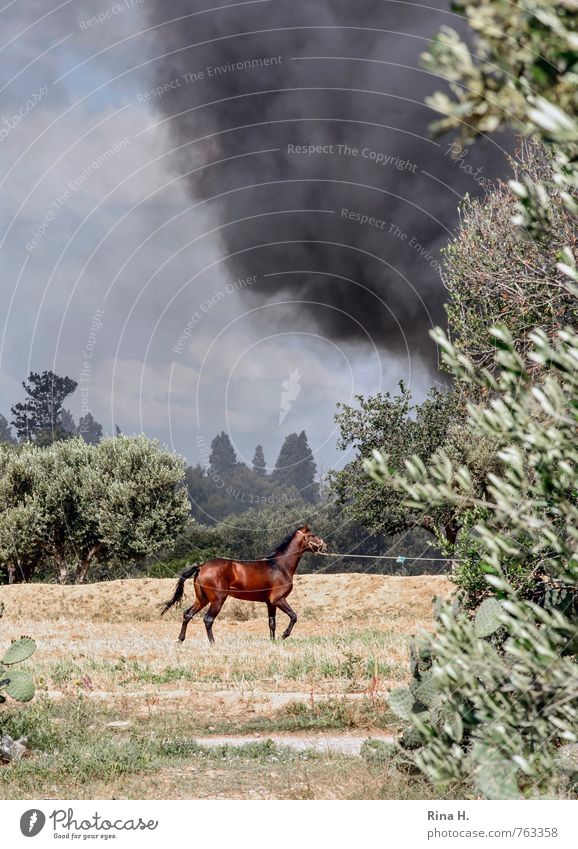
[[452, 530], [62, 568], [26, 570], [428, 524], [84, 564]]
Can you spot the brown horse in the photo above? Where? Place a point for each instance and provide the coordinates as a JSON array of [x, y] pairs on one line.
[[269, 580]]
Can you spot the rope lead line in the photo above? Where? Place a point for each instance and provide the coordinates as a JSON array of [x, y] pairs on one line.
[[399, 558]]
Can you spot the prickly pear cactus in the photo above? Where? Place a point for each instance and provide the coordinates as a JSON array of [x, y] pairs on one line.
[[17, 683], [20, 686], [416, 702], [421, 704], [402, 702], [494, 775], [488, 617], [18, 651], [426, 690]]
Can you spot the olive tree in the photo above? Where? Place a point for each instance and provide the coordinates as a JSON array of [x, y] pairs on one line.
[[22, 527], [135, 498], [492, 276], [502, 711], [77, 502], [402, 428]]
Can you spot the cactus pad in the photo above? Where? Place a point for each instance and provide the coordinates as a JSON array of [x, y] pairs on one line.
[[427, 691], [413, 658], [19, 650], [401, 701], [495, 775], [411, 738], [20, 686], [488, 617]]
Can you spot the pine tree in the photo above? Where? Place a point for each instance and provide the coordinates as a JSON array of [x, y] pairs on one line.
[[296, 467], [38, 418], [67, 422], [222, 459], [6, 437], [259, 464], [89, 429]]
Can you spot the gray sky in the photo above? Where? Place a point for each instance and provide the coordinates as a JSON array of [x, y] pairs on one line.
[[121, 270]]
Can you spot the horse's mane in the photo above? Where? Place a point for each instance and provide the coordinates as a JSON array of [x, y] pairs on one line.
[[283, 545]]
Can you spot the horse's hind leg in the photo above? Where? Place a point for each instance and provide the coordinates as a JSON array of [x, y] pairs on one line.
[[272, 610], [211, 615], [189, 613], [284, 605]]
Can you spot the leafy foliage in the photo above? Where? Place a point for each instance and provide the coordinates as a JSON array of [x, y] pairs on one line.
[[295, 467], [6, 436], [39, 417], [520, 50], [213, 497], [229, 487], [259, 464], [518, 704], [89, 429], [493, 276], [403, 428], [222, 459], [512, 704], [256, 532], [119, 499]]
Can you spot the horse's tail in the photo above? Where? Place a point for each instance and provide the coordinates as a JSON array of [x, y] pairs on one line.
[[189, 572]]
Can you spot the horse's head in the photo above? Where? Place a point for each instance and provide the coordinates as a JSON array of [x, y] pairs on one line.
[[312, 542]]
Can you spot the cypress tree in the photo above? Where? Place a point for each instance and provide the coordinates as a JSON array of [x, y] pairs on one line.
[[296, 467], [259, 464]]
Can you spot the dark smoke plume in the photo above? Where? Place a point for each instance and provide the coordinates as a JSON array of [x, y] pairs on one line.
[[243, 80]]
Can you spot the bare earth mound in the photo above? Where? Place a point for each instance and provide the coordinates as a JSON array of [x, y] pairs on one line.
[[354, 598]]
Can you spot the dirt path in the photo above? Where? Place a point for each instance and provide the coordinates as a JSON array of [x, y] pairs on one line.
[[274, 699], [345, 744]]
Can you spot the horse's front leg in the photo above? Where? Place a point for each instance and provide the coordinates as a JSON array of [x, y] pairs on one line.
[[284, 605], [272, 611]]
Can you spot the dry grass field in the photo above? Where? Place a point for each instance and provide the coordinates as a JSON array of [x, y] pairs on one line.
[[124, 711]]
